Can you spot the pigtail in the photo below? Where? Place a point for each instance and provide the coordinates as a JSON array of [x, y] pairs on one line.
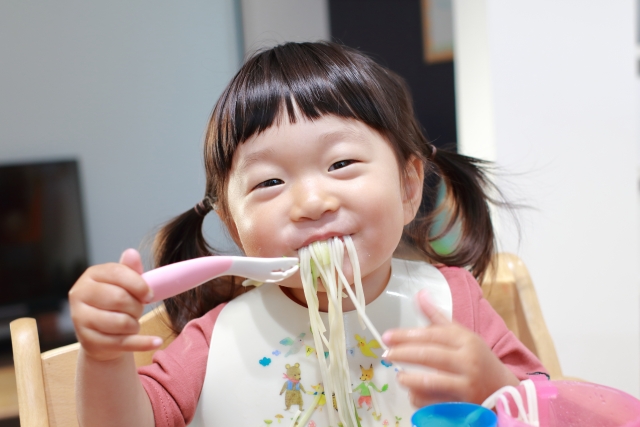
[[453, 225], [182, 239]]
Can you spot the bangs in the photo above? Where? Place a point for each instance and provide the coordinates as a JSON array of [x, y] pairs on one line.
[[318, 78], [304, 80]]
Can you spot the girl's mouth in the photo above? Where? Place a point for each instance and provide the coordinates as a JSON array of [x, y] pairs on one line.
[[322, 237]]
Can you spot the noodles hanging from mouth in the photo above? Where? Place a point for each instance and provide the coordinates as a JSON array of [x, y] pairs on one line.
[[323, 260]]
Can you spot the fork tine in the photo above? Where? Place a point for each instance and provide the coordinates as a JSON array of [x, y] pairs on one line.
[[284, 263], [288, 272], [261, 269], [276, 276]]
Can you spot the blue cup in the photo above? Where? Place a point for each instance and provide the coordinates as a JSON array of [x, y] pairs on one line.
[[454, 414]]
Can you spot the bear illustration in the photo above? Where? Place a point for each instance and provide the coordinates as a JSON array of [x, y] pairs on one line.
[[293, 387]]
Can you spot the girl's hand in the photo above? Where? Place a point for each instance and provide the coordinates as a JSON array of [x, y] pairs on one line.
[[465, 368], [105, 303]]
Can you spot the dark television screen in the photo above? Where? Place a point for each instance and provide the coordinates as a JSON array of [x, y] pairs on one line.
[[42, 237]]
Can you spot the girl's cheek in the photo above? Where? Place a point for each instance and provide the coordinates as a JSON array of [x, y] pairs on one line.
[[260, 242]]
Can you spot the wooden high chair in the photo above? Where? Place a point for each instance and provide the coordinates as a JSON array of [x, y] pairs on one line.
[[509, 289], [46, 381]]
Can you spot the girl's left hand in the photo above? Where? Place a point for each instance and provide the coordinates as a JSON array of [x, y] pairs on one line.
[[465, 368]]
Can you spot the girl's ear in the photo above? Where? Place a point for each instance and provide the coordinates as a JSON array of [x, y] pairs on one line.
[[412, 183]]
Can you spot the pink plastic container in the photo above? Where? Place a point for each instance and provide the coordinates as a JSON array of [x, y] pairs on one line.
[[577, 404]]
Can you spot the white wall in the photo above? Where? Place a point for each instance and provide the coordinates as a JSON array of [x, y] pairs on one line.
[[474, 97], [126, 87], [267, 23], [637, 3], [561, 86]]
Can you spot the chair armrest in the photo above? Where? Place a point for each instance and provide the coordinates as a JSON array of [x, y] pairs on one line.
[[32, 404]]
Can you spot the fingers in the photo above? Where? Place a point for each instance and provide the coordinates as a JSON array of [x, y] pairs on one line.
[[108, 322], [105, 335], [430, 310], [106, 302], [113, 298], [123, 277], [131, 258], [112, 287], [102, 346], [426, 388], [464, 367], [433, 356], [438, 331], [431, 334]]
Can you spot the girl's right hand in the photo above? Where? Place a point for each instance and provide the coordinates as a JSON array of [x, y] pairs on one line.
[[106, 302]]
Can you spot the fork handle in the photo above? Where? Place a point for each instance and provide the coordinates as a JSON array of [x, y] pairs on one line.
[[173, 279]]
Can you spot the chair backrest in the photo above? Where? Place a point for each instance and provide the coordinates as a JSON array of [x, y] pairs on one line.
[[509, 289], [46, 381]]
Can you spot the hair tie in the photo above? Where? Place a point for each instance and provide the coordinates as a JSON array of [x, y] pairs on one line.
[[434, 150], [205, 205]]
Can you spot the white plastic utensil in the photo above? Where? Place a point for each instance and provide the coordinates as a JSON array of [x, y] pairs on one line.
[[173, 279]]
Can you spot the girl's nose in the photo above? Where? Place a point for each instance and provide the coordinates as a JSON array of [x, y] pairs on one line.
[[311, 201]]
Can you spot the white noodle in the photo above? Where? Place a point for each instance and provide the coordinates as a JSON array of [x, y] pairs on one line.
[[294, 423], [302, 421], [327, 258], [357, 279], [317, 326]]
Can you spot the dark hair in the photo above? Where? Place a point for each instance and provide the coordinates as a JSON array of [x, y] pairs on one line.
[[319, 79]]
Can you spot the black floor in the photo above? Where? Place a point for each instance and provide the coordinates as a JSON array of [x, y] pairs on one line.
[[10, 422]]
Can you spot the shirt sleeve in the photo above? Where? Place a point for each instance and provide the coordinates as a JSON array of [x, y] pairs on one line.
[[471, 310], [174, 380]]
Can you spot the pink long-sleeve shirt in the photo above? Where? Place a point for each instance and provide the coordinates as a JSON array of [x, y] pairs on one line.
[[174, 380]]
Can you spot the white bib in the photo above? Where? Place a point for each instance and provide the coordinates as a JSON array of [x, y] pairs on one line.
[[262, 367]]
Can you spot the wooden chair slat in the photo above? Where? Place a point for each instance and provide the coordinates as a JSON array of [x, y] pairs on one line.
[[32, 404]]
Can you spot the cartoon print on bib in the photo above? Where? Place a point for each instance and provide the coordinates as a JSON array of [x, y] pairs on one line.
[[265, 361], [295, 343], [308, 350], [366, 397], [293, 387], [366, 394], [322, 399], [366, 348]]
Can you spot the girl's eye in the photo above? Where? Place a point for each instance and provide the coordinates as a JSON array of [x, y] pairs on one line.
[[269, 183], [341, 164]]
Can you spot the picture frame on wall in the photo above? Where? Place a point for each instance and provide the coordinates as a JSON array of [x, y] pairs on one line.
[[437, 30]]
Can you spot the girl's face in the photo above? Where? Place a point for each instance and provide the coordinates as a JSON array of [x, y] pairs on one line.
[[294, 184]]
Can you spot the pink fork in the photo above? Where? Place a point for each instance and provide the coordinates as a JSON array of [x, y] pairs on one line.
[[173, 279]]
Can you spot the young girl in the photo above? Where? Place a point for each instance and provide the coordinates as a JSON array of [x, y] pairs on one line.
[[308, 142]]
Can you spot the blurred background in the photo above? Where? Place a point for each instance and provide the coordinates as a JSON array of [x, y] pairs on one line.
[[103, 107]]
